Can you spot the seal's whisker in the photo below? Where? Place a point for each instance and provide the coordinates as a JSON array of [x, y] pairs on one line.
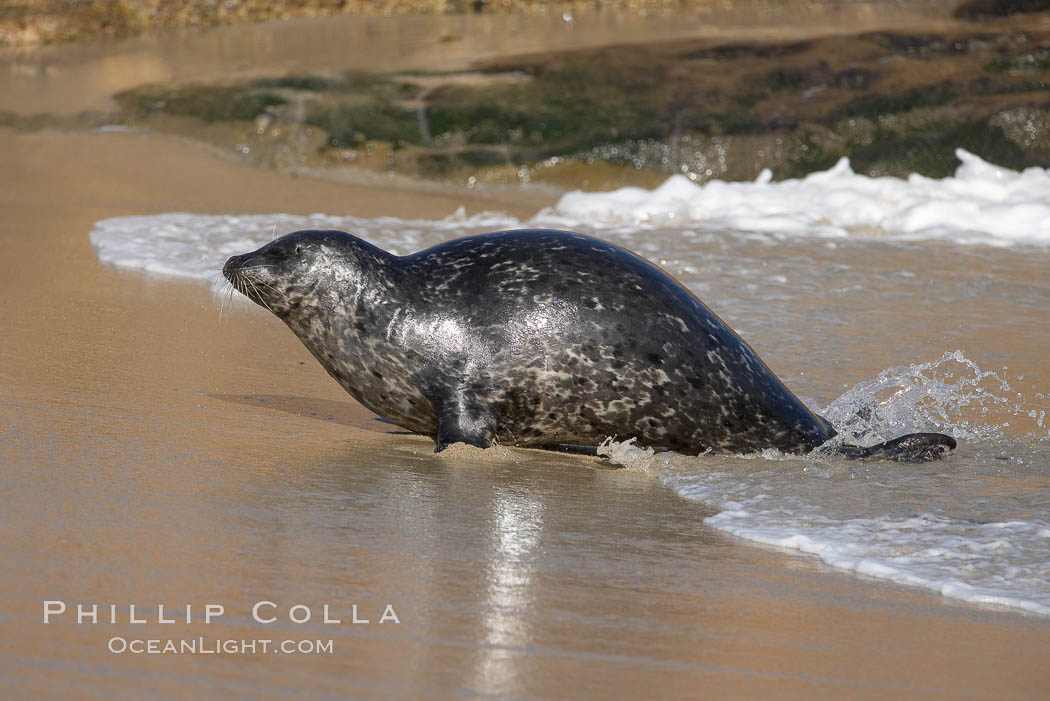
[[239, 286], [235, 289], [259, 296], [218, 292], [265, 285], [246, 283], [220, 296], [227, 302], [265, 304], [252, 276], [261, 283]]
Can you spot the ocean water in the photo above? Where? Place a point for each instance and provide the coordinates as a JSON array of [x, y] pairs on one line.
[[898, 305]]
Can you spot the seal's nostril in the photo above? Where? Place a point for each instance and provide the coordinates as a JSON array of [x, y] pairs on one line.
[[231, 265]]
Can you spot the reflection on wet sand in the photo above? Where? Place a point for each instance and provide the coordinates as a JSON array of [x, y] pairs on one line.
[[515, 527]]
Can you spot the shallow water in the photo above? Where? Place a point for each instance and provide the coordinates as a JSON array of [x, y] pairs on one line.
[[937, 328], [972, 527]]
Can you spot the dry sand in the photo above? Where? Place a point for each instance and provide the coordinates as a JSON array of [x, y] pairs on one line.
[[155, 454]]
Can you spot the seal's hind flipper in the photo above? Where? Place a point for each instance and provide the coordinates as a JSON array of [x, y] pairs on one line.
[[914, 447], [463, 421]]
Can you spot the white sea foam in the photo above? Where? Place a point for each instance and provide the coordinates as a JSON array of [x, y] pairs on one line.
[[1001, 563], [195, 246], [982, 203]]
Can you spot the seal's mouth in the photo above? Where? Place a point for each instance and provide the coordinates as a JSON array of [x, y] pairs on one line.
[[238, 270], [232, 272]]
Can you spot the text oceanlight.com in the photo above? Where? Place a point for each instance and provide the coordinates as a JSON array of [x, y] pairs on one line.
[[205, 646]]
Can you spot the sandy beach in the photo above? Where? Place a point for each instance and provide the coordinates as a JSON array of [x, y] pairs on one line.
[[174, 452], [156, 453]]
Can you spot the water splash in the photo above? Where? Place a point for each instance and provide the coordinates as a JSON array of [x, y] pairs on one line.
[[971, 527], [951, 394]]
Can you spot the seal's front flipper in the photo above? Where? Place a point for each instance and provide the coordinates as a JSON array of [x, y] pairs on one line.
[[463, 421], [914, 447]]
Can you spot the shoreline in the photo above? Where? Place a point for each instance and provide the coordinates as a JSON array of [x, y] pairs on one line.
[[35, 23], [67, 79], [142, 466], [533, 100]]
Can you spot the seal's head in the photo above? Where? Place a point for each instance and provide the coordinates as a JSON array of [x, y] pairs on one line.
[[296, 273]]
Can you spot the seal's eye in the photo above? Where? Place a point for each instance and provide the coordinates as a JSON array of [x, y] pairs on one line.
[[298, 250]]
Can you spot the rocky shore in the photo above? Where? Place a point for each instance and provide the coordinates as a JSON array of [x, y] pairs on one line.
[[36, 22]]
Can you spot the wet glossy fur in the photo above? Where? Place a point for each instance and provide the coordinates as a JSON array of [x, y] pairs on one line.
[[529, 338]]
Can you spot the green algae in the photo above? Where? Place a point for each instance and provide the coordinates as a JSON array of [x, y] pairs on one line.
[[350, 124], [931, 150], [209, 103], [661, 109]]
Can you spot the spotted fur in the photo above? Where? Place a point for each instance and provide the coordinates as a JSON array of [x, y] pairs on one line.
[[528, 338]]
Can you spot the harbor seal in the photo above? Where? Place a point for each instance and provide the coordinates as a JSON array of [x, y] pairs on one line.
[[535, 339]]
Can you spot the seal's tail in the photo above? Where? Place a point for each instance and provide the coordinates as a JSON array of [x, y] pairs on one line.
[[914, 447]]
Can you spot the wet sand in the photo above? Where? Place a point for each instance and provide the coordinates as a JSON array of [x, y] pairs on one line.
[[157, 454]]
